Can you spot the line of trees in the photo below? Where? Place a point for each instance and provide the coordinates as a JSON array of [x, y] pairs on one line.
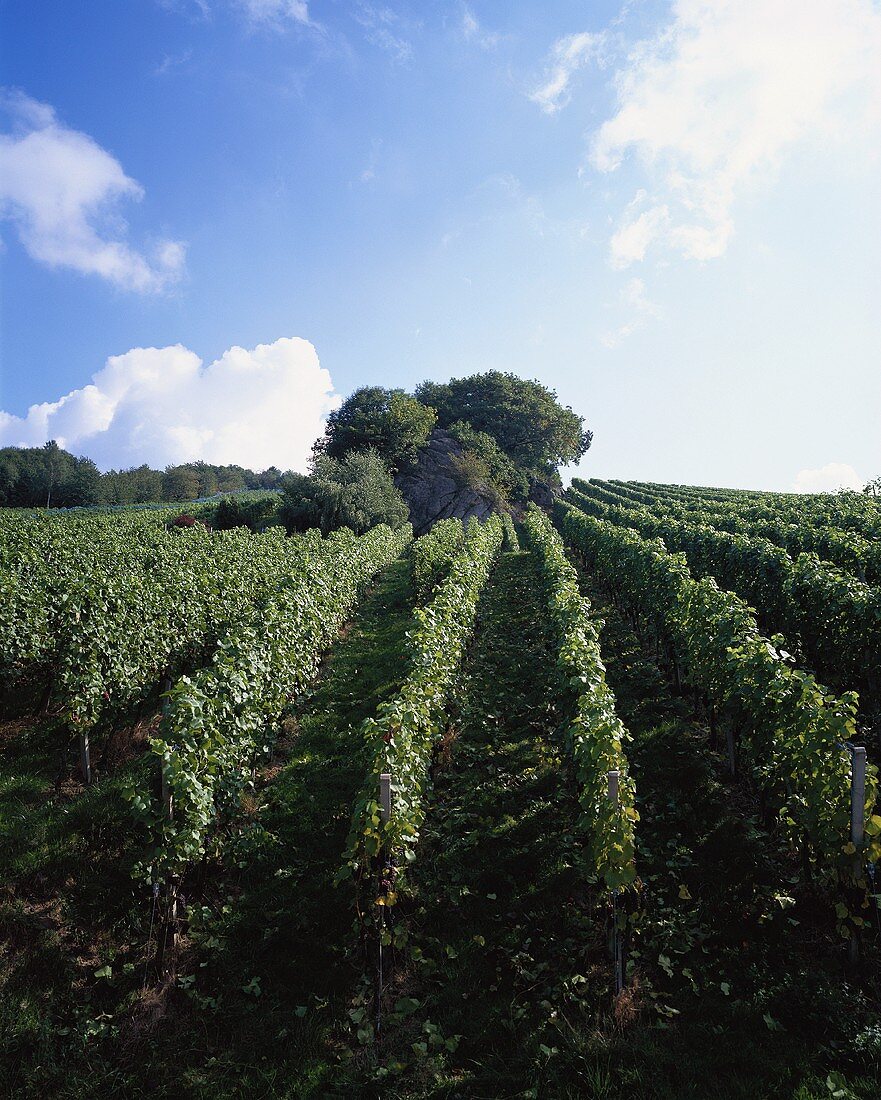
[[50, 477]]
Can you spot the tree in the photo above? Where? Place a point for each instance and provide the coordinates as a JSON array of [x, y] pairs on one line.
[[388, 422], [524, 417], [873, 488], [180, 483], [82, 484], [356, 492]]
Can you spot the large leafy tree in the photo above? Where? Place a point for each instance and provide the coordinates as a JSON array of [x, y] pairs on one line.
[[524, 417], [388, 422]]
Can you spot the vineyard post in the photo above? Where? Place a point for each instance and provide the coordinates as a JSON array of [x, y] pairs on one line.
[[85, 757], [385, 797], [614, 777], [857, 814], [385, 813], [732, 756], [857, 794], [167, 796]]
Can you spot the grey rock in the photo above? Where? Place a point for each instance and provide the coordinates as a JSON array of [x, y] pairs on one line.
[[432, 490], [543, 494]]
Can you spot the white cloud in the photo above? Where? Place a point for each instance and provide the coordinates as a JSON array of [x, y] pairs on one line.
[[568, 54], [635, 233], [276, 12], [62, 192], [714, 102], [257, 407], [828, 479], [634, 300]]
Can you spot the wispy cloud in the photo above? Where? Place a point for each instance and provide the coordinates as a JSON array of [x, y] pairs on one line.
[[276, 12], [63, 194], [634, 301], [711, 105], [568, 55], [383, 28], [173, 61], [472, 31]]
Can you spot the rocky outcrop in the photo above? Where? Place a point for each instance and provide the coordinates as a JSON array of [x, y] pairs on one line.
[[432, 490], [543, 494]]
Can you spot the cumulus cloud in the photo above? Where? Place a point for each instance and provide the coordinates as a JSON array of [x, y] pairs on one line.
[[828, 479], [62, 192], [568, 55], [258, 408], [711, 106], [634, 300]]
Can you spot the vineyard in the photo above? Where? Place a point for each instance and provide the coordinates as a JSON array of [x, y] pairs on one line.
[[581, 804]]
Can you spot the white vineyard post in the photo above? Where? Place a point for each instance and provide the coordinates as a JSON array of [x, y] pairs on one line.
[[613, 778], [857, 814]]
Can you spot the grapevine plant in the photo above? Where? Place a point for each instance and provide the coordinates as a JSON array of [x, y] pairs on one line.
[[405, 729], [795, 731], [216, 720], [830, 616], [433, 554], [595, 737]]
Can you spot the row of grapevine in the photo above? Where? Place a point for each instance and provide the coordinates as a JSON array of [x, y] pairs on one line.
[[794, 731], [845, 512], [215, 720], [405, 729], [828, 615], [846, 549], [595, 735], [433, 554], [40, 561]]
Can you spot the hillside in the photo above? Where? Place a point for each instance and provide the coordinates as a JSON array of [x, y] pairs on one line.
[[617, 855]]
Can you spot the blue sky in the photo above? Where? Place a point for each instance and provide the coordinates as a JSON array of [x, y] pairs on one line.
[[668, 212]]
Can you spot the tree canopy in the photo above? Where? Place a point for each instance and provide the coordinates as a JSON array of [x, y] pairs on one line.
[[389, 422], [524, 417]]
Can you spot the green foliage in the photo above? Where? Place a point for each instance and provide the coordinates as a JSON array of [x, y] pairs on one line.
[[404, 731], [433, 554], [793, 728], [512, 543], [830, 617], [388, 422], [484, 465], [213, 720], [252, 511], [595, 736], [54, 568], [356, 491], [47, 476], [524, 417]]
